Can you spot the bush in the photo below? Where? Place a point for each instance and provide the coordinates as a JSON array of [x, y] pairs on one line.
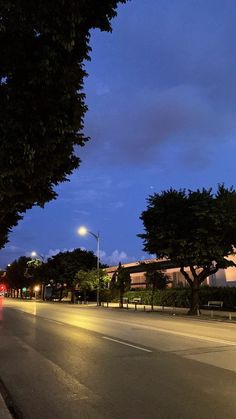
[[106, 295], [181, 297]]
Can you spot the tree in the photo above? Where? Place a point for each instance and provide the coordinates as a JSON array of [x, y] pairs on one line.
[[62, 268], [88, 280], [16, 274], [194, 229], [120, 282], [43, 48], [156, 280]]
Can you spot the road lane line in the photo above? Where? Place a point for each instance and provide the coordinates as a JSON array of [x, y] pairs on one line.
[[52, 321], [194, 336], [126, 344], [177, 333]]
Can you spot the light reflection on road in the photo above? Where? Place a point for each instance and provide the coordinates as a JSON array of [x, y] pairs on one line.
[[1, 308]]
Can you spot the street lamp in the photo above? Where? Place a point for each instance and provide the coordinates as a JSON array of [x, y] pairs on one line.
[[83, 231], [36, 289], [37, 255]]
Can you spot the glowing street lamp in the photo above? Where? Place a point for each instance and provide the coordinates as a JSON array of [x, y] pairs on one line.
[[36, 289], [36, 255], [83, 231]]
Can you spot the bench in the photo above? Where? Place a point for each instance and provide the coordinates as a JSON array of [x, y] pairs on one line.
[[136, 300], [215, 304]]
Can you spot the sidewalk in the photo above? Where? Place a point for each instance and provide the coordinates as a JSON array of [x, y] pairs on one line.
[[204, 314], [4, 412]]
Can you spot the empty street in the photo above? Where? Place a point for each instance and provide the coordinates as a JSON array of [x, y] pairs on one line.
[[75, 361]]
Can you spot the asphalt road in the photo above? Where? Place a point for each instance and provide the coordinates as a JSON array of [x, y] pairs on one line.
[[68, 362]]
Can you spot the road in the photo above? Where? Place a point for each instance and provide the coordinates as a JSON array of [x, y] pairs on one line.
[[68, 362]]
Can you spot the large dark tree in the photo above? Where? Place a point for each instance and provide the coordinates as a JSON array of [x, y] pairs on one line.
[[43, 46], [120, 282], [196, 230], [16, 274], [63, 267]]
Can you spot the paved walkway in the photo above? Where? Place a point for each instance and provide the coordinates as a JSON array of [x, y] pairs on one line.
[[204, 314]]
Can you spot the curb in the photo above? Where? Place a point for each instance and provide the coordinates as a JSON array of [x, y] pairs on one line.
[[4, 412]]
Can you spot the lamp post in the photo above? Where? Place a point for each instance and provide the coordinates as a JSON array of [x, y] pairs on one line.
[[82, 231], [37, 255], [36, 290]]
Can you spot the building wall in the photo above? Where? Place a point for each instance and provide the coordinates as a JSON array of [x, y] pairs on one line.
[[223, 278]]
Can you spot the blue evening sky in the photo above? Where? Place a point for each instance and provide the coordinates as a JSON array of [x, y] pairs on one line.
[[161, 95]]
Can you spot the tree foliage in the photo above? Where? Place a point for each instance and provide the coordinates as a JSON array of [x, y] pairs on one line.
[[63, 267], [194, 229], [16, 274], [88, 280], [120, 282], [156, 280], [43, 47]]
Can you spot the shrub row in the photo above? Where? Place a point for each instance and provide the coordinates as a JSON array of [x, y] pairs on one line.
[[180, 297]]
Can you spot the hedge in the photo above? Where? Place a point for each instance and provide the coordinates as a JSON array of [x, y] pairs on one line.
[[180, 297]]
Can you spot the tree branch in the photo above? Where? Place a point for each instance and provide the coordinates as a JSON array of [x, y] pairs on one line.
[[193, 272], [186, 276]]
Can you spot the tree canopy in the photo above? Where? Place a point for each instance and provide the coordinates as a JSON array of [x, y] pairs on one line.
[[120, 282], [194, 229], [43, 47], [16, 274], [88, 280], [63, 267]]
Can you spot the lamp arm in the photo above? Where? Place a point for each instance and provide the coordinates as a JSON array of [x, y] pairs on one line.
[[96, 236]]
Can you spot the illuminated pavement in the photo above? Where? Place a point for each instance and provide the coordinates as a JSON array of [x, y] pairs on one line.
[[62, 361]]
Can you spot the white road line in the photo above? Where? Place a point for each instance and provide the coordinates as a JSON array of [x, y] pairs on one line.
[[177, 333], [127, 344], [53, 321], [200, 337]]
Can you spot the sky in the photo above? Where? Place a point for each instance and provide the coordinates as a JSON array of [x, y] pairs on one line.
[[161, 95]]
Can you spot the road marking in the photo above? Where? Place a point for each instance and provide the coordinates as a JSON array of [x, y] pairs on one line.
[[191, 335], [126, 344], [52, 321], [200, 337], [177, 333]]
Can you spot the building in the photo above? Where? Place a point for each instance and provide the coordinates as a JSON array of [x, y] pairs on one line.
[[223, 278]]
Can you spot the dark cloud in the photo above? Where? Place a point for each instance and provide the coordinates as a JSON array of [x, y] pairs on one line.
[[165, 75]]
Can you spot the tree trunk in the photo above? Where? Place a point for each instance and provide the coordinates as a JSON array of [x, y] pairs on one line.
[[72, 296], [152, 298], [121, 299], [195, 299], [61, 292], [43, 291]]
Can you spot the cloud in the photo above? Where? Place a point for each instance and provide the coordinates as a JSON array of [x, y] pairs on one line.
[[173, 83], [54, 252], [13, 249], [115, 257], [117, 205], [184, 115], [87, 190], [81, 212]]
